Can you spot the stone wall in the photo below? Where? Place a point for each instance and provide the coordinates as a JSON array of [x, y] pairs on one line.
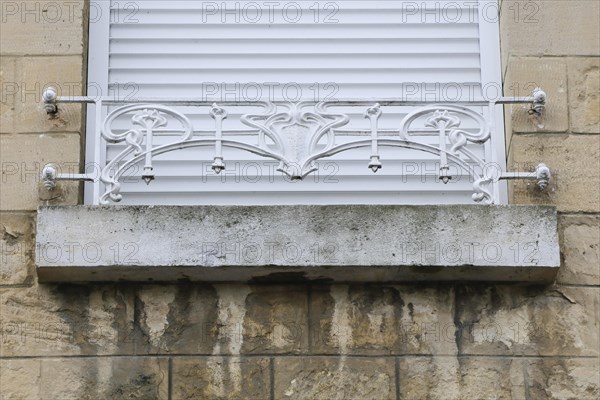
[[306, 340]]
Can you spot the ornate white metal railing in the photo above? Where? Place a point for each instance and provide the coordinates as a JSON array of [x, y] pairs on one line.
[[296, 135]]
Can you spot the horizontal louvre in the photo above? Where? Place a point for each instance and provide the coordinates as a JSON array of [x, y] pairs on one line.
[[280, 46], [316, 51], [376, 61], [324, 90], [335, 75], [250, 32]]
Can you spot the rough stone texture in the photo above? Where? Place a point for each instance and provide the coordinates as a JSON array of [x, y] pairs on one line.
[[177, 318], [105, 378], [67, 320], [34, 75], [575, 165], [237, 243], [584, 94], [221, 378], [8, 91], [17, 248], [225, 319], [450, 378], [152, 319], [221, 319], [550, 27], [563, 378], [22, 159], [20, 379], [529, 320], [358, 319], [276, 320], [84, 378], [580, 249], [42, 27], [525, 74], [122, 319], [328, 378]]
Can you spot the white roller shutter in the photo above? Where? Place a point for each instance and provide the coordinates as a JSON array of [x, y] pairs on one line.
[[300, 50]]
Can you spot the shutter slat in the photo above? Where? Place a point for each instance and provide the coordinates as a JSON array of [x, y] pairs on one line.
[[124, 62], [216, 91], [250, 32], [291, 46], [290, 75]]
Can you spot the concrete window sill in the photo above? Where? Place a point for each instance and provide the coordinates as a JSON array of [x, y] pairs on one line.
[[295, 243]]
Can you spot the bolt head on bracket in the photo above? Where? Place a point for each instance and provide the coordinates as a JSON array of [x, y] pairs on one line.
[[49, 98], [49, 175], [543, 175], [539, 101]]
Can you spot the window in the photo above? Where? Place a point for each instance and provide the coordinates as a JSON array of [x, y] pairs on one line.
[[295, 54]]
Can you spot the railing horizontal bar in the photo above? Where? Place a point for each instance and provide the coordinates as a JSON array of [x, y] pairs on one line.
[[401, 189], [76, 177], [518, 175], [107, 100], [514, 100], [253, 132]]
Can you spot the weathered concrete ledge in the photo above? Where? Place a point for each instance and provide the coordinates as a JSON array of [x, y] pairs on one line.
[[291, 243]]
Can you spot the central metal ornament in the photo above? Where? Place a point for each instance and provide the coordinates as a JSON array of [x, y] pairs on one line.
[[295, 134]]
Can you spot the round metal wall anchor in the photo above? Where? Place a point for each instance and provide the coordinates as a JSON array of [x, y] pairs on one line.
[[49, 98], [49, 175], [543, 176], [539, 101]]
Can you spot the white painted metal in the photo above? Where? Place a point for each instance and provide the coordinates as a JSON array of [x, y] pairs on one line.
[[491, 73], [297, 136], [419, 51], [98, 86]]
